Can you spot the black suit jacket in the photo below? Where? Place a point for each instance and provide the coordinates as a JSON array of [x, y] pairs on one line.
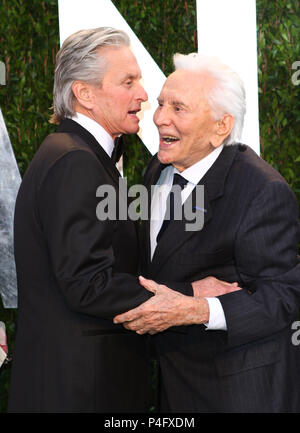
[[74, 274], [250, 235]]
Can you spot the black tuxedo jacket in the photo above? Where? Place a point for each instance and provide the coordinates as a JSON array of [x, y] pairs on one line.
[[75, 273], [250, 235]]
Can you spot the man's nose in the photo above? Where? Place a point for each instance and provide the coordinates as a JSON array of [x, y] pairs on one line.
[[161, 116], [142, 94]]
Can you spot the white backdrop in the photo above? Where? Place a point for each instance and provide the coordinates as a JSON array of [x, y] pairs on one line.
[[225, 28], [75, 15]]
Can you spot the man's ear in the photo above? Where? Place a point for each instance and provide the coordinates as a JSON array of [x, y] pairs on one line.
[[223, 128], [83, 93]]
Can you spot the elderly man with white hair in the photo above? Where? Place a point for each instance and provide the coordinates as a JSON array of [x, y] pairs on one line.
[[233, 352]]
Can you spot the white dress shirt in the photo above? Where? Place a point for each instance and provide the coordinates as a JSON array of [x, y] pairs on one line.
[[101, 135], [193, 175]]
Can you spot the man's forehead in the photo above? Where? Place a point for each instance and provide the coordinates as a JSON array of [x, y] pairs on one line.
[[183, 80], [118, 56], [121, 62]]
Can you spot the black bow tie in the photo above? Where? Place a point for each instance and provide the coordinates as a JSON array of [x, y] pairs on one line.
[[118, 149], [177, 180]]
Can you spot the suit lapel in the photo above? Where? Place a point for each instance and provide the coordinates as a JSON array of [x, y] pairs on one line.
[[72, 127], [176, 234], [152, 176]]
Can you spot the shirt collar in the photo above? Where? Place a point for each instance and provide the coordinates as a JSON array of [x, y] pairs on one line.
[[94, 128], [196, 171]]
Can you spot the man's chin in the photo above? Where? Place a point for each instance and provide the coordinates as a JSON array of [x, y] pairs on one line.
[[131, 129], [163, 157]]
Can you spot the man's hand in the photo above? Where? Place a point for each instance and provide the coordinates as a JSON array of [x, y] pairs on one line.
[[3, 342], [210, 286], [165, 309]]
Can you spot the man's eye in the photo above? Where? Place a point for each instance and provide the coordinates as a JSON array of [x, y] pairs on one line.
[[128, 82], [177, 109]]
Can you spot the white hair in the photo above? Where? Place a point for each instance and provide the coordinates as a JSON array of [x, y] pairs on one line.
[[79, 59], [226, 97]]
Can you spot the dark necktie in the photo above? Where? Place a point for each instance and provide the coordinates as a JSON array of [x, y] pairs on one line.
[[118, 149], [177, 180]]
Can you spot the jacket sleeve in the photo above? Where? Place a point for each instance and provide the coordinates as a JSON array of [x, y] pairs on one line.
[[80, 245], [268, 265]]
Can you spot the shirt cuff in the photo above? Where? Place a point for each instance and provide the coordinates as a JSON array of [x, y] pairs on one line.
[[217, 319]]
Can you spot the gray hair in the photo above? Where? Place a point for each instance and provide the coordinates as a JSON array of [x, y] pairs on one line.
[[79, 59], [227, 97]]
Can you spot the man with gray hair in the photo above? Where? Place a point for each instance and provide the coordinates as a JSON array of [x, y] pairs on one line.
[[74, 271], [233, 352]]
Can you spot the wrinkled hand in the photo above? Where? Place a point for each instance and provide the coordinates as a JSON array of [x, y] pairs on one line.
[[165, 309], [3, 342], [211, 286]]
